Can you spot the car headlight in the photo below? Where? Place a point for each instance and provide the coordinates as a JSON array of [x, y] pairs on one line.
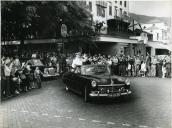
[[93, 84], [127, 82]]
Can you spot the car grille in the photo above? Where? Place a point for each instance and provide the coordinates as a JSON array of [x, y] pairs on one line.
[[111, 89]]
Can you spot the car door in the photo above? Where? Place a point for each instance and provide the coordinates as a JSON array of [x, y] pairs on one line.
[[76, 79], [69, 78]]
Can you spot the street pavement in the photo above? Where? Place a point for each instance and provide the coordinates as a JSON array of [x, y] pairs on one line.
[[149, 106]]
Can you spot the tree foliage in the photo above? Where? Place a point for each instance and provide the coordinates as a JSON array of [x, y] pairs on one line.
[[42, 19]]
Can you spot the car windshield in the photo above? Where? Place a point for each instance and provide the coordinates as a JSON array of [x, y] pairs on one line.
[[95, 70]]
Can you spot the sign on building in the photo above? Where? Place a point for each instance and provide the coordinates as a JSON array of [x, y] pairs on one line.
[[64, 30]]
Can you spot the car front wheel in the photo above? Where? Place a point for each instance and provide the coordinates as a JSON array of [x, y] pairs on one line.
[[67, 88]]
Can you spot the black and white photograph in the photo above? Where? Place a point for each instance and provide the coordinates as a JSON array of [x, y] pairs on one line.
[[86, 64]]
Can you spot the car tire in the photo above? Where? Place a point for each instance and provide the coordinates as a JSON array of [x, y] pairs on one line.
[[86, 97], [67, 88]]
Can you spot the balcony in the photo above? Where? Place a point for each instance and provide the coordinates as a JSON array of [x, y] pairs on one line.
[[118, 27]]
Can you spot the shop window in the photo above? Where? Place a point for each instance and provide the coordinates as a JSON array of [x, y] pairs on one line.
[[84, 3], [100, 11], [161, 52], [121, 3], [120, 12], [125, 3], [90, 6], [157, 36], [116, 11]]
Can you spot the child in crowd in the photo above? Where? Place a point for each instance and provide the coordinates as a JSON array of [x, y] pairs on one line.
[[143, 69], [37, 74]]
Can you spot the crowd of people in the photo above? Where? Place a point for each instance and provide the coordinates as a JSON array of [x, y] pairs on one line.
[[17, 74], [126, 65], [18, 77]]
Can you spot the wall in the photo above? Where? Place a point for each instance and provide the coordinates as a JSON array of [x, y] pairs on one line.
[[107, 16], [110, 48], [161, 29], [140, 49]]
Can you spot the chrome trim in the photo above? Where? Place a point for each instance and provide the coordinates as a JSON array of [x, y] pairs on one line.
[[111, 85], [108, 95]]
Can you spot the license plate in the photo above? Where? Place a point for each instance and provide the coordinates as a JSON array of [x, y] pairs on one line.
[[114, 95]]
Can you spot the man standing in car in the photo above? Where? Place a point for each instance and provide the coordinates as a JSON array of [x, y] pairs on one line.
[[77, 61]]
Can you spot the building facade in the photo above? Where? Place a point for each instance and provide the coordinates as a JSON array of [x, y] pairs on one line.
[[102, 11], [159, 44], [112, 20], [159, 30]]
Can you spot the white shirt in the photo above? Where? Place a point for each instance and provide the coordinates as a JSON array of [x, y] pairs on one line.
[[77, 62], [7, 70], [143, 67]]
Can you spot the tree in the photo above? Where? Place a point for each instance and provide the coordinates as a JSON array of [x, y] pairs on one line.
[[42, 19], [25, 18]]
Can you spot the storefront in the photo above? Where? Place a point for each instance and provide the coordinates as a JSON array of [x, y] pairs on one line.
[[158, 48], [116, 46]]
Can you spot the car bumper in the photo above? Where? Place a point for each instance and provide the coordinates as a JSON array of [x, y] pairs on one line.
[[115, 94]]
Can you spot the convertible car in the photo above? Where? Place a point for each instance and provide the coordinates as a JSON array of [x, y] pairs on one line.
[[96, 81]]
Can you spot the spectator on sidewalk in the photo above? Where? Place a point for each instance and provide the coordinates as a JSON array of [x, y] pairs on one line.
[[137, 65], [115, 65], [3, 79], [27, 71], [148, 65], [37, 74], [153, 66], [7, 72], [143, 69], [62, 64], [16, 81], [164, 71], [32, 78], [168, 66], [159, 68]]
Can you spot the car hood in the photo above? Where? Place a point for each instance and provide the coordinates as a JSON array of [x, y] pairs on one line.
[[106, 79]]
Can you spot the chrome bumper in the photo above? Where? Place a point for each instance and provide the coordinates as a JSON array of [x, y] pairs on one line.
[[115, 94]]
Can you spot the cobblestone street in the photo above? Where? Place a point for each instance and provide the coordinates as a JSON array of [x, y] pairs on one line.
[[52, 107]]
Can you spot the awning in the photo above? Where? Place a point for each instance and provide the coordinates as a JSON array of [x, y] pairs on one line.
[[118, 40], [158, 45], [42, 41], [10, 42], [34, 41]]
